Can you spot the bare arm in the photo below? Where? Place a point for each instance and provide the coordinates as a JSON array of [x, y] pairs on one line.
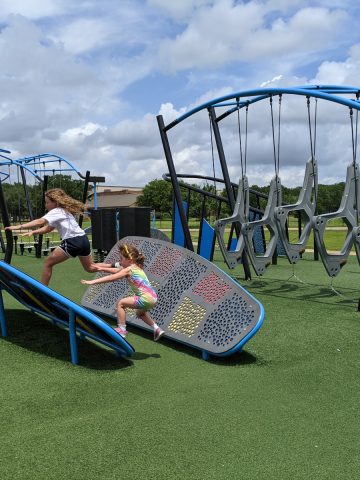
[[104, 264], [45, 229], [124, 272], [108, 269], [38, 222]]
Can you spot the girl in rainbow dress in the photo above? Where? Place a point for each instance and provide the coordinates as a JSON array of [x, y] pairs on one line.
[[131, 265]]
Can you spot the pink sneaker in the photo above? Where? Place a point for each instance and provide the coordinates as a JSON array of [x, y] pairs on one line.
[[121, 331], [158, 333]]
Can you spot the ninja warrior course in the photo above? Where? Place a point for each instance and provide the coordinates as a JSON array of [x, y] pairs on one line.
[[198, 304]]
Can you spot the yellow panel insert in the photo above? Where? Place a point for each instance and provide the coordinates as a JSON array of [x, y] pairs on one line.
[[187, 317]]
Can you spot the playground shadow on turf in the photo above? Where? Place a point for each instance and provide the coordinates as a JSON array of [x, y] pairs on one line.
[[37, 334], [242, 358], [302, 291], [144, 356]]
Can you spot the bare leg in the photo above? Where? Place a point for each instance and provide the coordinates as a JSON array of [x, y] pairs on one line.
[[57, 256], [88, 264], [128, 302], [145, 317]]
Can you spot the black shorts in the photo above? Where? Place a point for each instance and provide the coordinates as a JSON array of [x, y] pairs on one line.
[[76, 246]]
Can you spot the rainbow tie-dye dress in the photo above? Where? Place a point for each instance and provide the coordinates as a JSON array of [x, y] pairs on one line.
[[145, 295]]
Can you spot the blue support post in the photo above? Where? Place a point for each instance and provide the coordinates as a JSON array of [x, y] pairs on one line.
[[205, 355], [178, 230], [72, 337], [206, 241], [2, 316], [95, 197]]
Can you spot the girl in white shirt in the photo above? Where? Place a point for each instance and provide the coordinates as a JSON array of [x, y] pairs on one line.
[[61, 209]]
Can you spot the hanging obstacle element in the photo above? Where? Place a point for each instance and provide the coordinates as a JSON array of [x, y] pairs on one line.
[[233, 256], [356, 235], [306, 204], [198, 304], [261, 262], [238, 218], [64, 313], [347, 211], [241, 214]]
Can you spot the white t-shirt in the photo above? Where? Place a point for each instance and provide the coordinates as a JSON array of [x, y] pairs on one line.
[[64, 222]]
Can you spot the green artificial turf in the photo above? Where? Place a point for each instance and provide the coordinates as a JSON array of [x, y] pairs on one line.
[[284, 408]]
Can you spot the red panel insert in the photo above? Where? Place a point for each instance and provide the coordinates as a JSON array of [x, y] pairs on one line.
[[211, 288], [165, 262]]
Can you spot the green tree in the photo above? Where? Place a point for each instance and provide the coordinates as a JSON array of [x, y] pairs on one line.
[[14, 195], [196, 203], [73, 187], [329, 197], [157, 195]]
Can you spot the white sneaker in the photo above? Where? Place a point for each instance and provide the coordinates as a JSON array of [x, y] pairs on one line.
[[158, 333]]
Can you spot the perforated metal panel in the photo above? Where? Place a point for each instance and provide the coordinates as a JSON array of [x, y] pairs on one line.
[[198, 304]]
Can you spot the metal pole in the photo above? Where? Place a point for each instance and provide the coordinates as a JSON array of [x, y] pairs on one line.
[[6, 223], [175, 183], [228, 186], [84, 196], [220, 149], [42, 212], [27, 196]]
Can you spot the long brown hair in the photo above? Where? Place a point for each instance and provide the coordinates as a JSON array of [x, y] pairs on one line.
[[63, 200], [132, 253]]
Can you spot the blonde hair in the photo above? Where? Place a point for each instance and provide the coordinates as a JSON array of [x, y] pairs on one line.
[[132, 253], [64, 201]]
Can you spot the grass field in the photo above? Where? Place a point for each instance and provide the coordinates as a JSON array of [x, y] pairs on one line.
[[284, 408]]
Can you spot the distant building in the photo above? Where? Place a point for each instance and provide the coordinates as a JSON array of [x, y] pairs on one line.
[[114, 196]]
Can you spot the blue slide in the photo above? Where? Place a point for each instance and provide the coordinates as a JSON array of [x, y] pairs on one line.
[[80, 322]]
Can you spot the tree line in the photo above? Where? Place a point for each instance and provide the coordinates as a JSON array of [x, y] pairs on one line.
[[15, 199], [158, 195]]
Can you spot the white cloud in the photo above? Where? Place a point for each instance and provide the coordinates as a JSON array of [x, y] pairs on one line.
[[205, 41], [179, 9], [80, 81], [309, 30], [32, 9], [341, 73], [83, 35]]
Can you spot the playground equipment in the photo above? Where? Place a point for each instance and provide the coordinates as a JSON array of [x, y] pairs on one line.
[[64, 313], [198, 304], [356, 233], [237, 219], [349, 212], [206, 233], [275, 216], [39, 166], [306, 204]]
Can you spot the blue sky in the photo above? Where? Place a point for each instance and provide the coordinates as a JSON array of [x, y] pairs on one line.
[[86, 79]]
